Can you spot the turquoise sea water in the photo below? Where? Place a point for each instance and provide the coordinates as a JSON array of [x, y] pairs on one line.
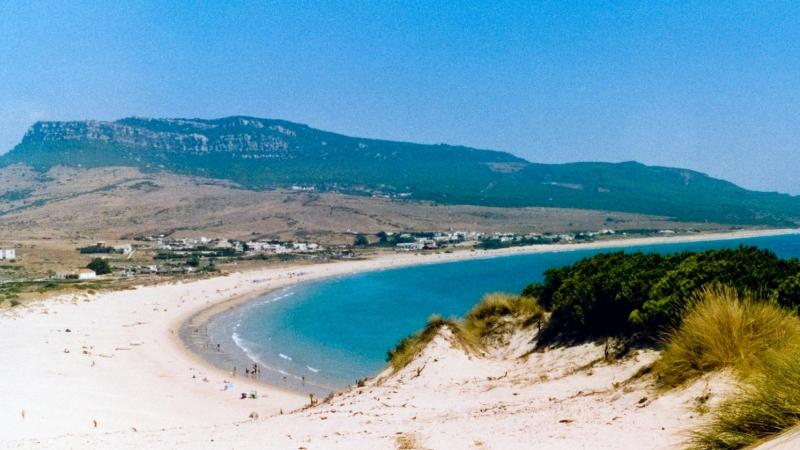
[[323, 335]]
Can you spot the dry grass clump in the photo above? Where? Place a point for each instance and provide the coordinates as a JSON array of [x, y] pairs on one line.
[[498, 309], [410, 346], [493, 313], [760, 341], [768, 403], [725, 329]]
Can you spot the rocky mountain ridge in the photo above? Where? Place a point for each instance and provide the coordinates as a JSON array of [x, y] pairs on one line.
[[266, 154]]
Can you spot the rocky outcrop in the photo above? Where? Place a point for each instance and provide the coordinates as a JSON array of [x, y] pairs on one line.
[[190, 137]]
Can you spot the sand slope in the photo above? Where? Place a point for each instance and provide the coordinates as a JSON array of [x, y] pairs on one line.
[[560, 399]]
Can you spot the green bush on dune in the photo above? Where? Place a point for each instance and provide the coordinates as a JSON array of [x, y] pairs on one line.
[[639, 296]]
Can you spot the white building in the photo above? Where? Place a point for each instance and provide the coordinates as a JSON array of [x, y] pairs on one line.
[[8, 254], [255, 246], [410, 246], [266, 247], [429, 244], [278, 249], [86, 274], [125, 249], [306, 246], [194, 242]]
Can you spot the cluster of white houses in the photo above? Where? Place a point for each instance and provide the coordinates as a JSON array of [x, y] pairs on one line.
[[80, 274], [418, 244], [511, 238], [279, 248], [188, 244], [253, 247], [408, 241]]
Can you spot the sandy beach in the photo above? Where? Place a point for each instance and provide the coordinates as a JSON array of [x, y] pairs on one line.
[[110, 368]]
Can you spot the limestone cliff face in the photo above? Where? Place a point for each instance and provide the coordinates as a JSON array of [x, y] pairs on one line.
[[254, 138]]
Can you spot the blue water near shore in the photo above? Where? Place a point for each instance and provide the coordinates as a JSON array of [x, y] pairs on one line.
[[323, 335]]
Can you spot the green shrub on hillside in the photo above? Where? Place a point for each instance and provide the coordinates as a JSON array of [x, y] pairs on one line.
[[96, 249], [642, 295], [788, 292], [595, 297], [745, 268], [360, 241], [99, 265]]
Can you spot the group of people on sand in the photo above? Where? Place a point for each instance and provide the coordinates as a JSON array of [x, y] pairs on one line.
[[253, 372]]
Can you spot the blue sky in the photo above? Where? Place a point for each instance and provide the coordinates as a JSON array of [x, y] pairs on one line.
[[712, 86]]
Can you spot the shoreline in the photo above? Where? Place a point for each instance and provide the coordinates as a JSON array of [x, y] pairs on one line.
[[110, 370], [113, 363], [196, 343]]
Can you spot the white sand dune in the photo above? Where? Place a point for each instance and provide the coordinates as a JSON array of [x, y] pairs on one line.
[[559, 399]]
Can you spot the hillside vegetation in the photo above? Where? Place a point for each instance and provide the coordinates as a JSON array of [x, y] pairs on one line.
[[265, 154], [638, 296]]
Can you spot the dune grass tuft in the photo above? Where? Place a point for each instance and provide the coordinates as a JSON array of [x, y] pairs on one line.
[[481, 321], [724, 329], [760, 342], [497, 309], [410, 346], [768, 403]]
